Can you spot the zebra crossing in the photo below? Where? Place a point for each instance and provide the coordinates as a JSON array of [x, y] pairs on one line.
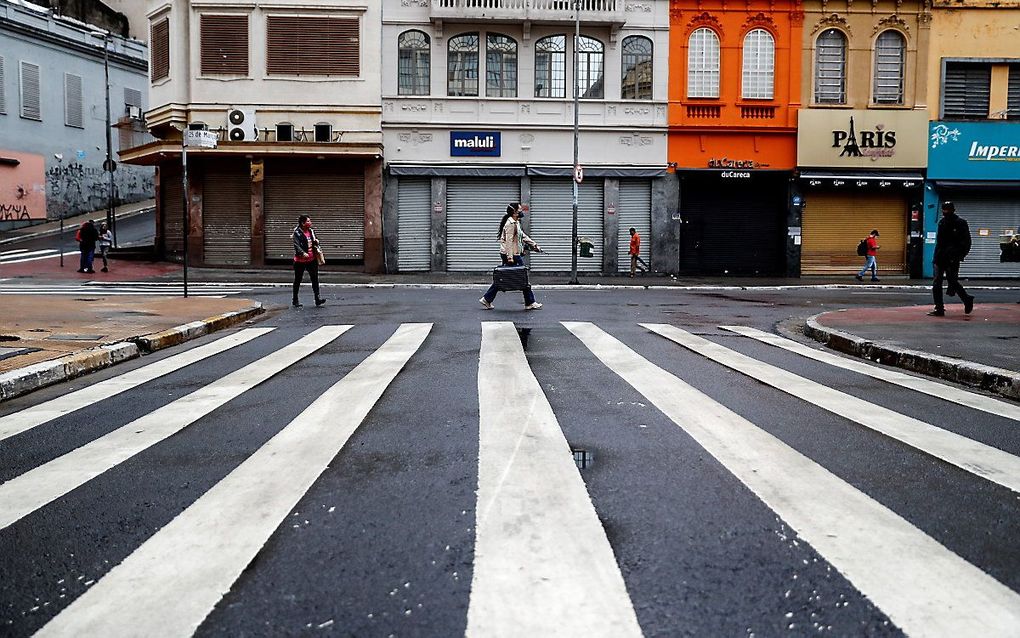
[[543, 562], [124, 289], [24, 255]]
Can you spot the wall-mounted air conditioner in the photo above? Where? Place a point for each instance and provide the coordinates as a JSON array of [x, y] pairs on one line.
[[241, 125]]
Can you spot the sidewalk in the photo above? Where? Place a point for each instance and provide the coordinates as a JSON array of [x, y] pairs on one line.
[[42, 344], [71, 223]]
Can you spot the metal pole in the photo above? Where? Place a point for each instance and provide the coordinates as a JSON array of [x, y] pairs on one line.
[[577, 92], [187, 216], [62, 238], [110, 221]]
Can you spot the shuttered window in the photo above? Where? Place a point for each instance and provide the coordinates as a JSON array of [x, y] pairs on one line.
[[890, 58], [224, 47], [703, 64], [1012, 103], [3, 98], [73, 103], [30, 106], [830, 68], [967, 90], [759, 73], [159, 53], [299, 45], [132, 97]]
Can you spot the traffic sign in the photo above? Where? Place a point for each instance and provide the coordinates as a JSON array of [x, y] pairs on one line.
[[578, 174]]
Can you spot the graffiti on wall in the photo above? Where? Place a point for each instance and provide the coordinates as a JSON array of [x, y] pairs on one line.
[[74, 186]]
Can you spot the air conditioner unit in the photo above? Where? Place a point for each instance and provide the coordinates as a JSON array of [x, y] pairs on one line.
[[241, 125], [134, 112]]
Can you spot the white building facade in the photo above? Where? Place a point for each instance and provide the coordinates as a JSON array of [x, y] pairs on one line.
[[478, 112]]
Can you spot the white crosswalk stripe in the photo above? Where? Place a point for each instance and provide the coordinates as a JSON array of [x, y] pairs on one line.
[[6, 253], [23, 256], [923, 587], [980, 459], [918, 384], [542, 560], [195, 559], [30, 491]]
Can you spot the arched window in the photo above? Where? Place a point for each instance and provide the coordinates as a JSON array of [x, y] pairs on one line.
[[414, 58], [759, 76], [462, 65], [703, 64], [637, 68], [591, 83], [830, 67], [550, 67], [500, 66], [890, 59]]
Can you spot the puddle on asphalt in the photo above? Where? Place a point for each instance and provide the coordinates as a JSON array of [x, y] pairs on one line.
[[583, 459], [524, 333], [74, 337]]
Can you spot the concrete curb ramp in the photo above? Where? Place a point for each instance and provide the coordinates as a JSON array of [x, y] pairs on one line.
[[19, 382], [999, 381]]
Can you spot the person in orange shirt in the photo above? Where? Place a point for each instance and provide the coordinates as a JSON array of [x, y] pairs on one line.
[[635, 253]]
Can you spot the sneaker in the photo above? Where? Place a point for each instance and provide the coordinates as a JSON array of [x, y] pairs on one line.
[[320, 302], [296, 304], [937, 313], [875, 279], [968, 304], [106, 270], [533, 306], [858, 278], [485, 303]]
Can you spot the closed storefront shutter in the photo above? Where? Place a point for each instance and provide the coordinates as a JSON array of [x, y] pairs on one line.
[[990, 216], [333, 195], [414, 224], [733, 227], [635, 210], [226, 213], [552, 221], [171, 213], [834, 223], [473, 210]]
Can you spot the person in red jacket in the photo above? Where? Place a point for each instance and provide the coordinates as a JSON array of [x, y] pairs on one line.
[[869, 259], [635, 253]]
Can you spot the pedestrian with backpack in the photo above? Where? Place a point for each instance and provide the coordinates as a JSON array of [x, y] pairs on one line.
[[868, 248]]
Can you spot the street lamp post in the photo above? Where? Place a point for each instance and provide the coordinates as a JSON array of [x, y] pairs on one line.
[[108, 165], [577, 94]]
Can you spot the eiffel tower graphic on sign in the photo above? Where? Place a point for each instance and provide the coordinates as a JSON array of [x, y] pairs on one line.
[[851, 147]]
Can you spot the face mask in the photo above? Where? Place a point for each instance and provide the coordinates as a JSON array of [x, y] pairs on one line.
[[307, 224]]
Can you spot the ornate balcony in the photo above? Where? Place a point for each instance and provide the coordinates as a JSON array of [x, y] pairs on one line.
[[593, 12]]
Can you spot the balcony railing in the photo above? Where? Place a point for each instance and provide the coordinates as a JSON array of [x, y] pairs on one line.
[[550, 11]]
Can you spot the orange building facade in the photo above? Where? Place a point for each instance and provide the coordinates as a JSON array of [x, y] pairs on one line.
[[734, 93]]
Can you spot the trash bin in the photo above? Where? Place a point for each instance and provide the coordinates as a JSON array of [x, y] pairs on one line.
[[586, 247]]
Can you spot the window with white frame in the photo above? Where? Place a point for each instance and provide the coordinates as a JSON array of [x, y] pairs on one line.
[[551, 66], [759, 72], [890, 60], [830, 67], [703, 64], [590, 80], [462, 65], [414, 63], [636, 83], [500, 66]]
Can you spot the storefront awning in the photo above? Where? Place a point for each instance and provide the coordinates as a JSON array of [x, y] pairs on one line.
[[160, 151], [857, 175], [975, 184], [597, 171], [520, 171]]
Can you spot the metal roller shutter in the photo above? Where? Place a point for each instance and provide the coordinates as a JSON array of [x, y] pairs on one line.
[[552, 219], [635, 210], [333, 196], [834, 223], [171, 211], [995, 213], [414, 224], [473, 210], [226, 213]]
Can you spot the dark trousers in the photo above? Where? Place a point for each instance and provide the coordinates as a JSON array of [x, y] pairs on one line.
[[313, 272], [87, 254], [950, 272], [518, 260]]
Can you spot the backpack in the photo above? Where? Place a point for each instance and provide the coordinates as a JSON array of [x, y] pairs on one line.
[[77, 234], [862, 248]]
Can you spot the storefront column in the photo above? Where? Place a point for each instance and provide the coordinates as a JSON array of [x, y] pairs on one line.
[[196, 226], [438, 224], [794, 227], [611, 226], [258, 215], [665, 235], [391, 222], [373, 217]]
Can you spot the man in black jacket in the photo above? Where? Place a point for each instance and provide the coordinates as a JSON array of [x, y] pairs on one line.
[[952, 243], [88, 235]]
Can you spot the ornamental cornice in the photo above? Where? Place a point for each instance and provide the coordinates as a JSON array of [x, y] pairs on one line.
[[891, 22], [705, 19], [760, 20], [833, 21]]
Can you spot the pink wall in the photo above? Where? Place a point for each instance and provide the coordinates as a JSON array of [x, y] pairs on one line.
[[22, 186]]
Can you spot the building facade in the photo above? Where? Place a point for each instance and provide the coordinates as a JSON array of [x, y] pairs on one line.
[[862, 133], [974, 139], [478, 113], [53, 116], [292, 92]]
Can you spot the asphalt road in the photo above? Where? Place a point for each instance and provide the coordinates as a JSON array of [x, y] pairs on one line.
[[730, 507]]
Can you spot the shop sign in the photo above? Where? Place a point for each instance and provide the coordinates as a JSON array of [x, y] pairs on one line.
[[735, 175], [474, 143], [854, 138], [725, 162], [974, 150]]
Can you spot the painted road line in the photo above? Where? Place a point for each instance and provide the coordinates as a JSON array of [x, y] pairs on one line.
[[24, 494], [170, 584], [28, 253], [925, 386], [9, 262], [29, 418], [923, 587], [543, 565], [977, 458], [12, 252]]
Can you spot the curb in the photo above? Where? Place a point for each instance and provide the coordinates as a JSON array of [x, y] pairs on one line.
[[56, 231], [998, 381], [20, 382]]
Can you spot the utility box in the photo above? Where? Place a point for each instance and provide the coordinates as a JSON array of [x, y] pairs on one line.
[[586, 247]]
